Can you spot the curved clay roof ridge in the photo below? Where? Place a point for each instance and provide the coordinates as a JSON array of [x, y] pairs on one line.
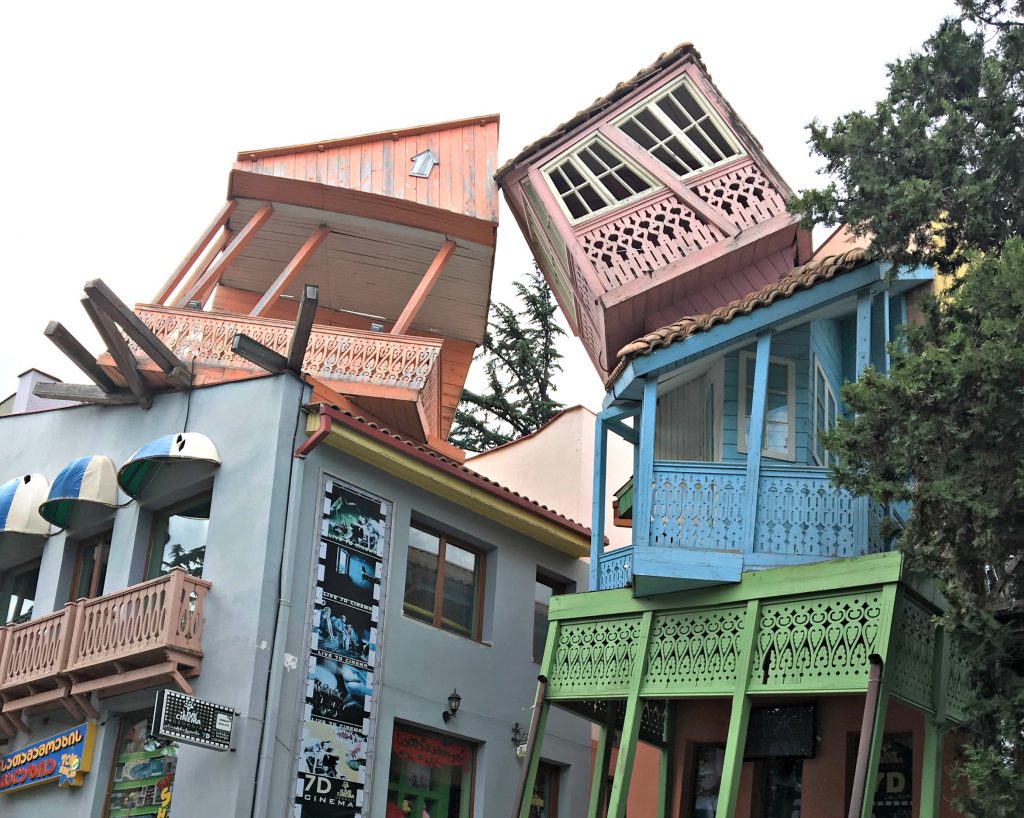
[[799, 278]]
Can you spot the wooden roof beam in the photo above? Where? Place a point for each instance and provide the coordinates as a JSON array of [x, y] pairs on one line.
[[80, 356], [197, 249], [204, 263], [104, 299], [294, 267], [121, 353], [423, 289], [212, 274], [82, 392], [303, 327]]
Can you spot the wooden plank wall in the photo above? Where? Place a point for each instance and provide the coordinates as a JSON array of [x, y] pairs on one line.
[[462, 182]]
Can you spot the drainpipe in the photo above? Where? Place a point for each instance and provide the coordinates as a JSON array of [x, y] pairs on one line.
[[268, 740], [542, 692], [867, 725]]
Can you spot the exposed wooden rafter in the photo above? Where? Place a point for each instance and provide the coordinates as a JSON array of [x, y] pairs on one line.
[[121, 353], [80, 356], [423, 289], [83, 392], [197, 250], [303, 327], [208, 258], [104, 299], [293, 269], [201, 286]]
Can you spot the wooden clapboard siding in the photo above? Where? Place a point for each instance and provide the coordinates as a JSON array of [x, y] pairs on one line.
[[462, 182], [456, 358]]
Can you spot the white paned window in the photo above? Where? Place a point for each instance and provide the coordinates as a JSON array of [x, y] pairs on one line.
[[679, 129], [825, 411], [593, 178], [779, 439]]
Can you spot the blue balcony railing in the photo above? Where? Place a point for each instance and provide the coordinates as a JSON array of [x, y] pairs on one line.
[[801, 517]]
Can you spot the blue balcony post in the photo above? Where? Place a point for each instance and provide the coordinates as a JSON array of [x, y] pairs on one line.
[[863, 331], [644, 474], [755, 440], [598, 500], [888, 327]]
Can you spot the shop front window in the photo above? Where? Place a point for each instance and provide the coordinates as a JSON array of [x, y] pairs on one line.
[[179, 538], [144, 766], [708, 762], [91, 567], [544, 802], [430, 775]]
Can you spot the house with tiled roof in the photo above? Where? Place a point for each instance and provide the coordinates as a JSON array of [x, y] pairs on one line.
[[759, 628], [242, 573]]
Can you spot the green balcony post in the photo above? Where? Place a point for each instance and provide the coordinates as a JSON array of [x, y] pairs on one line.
[[736, 740], [603, 754], [631, 723], [532, 759], [935, 731]]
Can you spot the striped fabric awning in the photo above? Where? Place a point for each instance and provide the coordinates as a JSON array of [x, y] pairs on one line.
[[86, 487], [185, 457], [19, 506]]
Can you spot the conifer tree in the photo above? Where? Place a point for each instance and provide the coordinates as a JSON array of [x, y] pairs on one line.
[[520, 362]]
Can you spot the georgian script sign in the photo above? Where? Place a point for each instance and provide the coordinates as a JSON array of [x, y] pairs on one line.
[[192, 721], [429, 751], [62, 758]]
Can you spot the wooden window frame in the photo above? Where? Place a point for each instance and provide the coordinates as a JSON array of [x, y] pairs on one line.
[[611, 203], [828, 398], [13, 571], [481, 573], [105, 538], [169, 510], [750, 358], [650, 103]]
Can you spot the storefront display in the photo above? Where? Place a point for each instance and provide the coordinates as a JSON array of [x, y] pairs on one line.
[[337, 727], [430, 775], [143, 772]]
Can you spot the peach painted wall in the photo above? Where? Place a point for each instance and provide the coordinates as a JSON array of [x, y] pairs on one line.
[[555, 467]]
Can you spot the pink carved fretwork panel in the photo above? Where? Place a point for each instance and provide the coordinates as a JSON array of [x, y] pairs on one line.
[[743, 194], [636, 244]]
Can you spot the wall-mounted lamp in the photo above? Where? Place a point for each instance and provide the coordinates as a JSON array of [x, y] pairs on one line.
[[519, 735], [454, 700]]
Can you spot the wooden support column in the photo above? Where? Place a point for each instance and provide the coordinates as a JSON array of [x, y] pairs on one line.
[[538, 725], [736, 740], [423, 289], [935, 731], [197, 249], [303, 327], [121, 353], [653, 167], [294, 267], [755, 439], [211, 276], [643, 476], [602, 758], [598, 500], [863, 331], [204, 264], [631, 724]]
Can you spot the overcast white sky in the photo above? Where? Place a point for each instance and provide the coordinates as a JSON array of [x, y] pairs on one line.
[[121, 121]]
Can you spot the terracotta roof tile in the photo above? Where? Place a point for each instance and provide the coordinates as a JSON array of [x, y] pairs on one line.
[[424, 452], [664, 60], [799, 278]]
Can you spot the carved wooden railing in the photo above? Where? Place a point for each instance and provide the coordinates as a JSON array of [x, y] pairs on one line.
[[36, 651], [163, 613], [333, 353], [743, 194]]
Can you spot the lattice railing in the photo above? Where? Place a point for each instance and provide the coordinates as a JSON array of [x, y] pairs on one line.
[[913, 653], [594, 657], [615, 569], [659, 231], [161, 613], [36, 651], [694, 650], [743, 194], [702, 505], [332, 353]]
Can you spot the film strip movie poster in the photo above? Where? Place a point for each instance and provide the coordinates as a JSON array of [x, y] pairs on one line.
[[337, 727]]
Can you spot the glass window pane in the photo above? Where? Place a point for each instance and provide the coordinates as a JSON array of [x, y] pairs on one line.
[[618, 190], [634, 180], [458, 611], [591, 161], [778, 377], [561, 183], [19, 593], [671, 109], [777, 424], [670, 161], [709, 760], [430, 775], [683, 96], [179, 538], [702, 144], [719, 139], [593, 199], [87, 564], [421, 574], [542, 593], [573, 175], [652, 124], [633, 129], [575, 206]]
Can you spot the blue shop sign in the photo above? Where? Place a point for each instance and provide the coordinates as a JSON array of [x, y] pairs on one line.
[[62, 758]]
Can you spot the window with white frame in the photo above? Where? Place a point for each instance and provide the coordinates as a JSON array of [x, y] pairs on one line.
[[679, 128], [824, 412], [593, 178], [779, 436]]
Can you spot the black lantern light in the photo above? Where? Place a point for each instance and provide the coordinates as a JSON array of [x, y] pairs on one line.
[[454, 700]]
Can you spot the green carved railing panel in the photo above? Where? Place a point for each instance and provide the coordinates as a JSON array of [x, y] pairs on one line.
[[958, 685], [819, 644], [912, 654], [694, 652], [593, 658]]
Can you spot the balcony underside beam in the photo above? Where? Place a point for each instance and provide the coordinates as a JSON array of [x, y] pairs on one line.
[[419, 296], [299, 260]]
